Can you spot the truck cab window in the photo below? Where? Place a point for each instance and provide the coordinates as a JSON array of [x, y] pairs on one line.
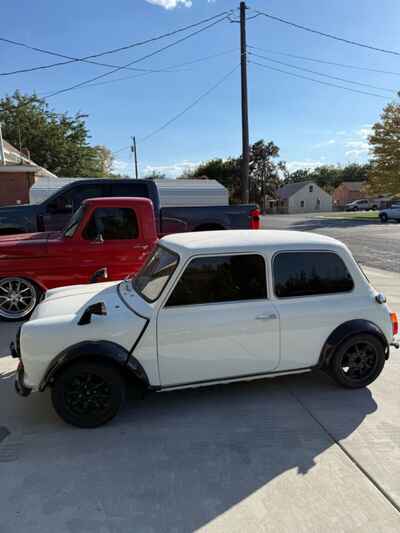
[[112, 223]]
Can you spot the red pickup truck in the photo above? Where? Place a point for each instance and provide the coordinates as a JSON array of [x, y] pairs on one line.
[[112, 233]]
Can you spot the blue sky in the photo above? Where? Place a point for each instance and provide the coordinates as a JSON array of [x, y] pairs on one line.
[[311, 123]]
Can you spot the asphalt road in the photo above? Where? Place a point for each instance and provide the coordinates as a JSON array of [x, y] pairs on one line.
[[372, 243]]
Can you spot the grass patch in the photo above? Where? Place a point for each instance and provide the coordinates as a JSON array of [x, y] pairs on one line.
[[352, 215]]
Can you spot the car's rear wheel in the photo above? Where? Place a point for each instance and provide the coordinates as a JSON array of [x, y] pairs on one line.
[[88, 394], [358, 361], [18, 298]]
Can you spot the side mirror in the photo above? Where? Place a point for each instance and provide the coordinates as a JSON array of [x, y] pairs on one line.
[[94, 309], [99, 275]]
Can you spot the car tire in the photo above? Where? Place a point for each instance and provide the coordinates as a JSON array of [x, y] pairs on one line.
[[88, 394], [384, 218], [358, 361], [18, 298]]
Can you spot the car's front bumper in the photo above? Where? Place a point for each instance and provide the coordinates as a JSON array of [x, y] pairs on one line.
[[20, 387]]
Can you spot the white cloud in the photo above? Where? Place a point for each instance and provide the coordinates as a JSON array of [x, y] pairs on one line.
[[170, 4], [341, 132], [297, 165], [357, 145], [171, 171], [120, 167], [324, 143]]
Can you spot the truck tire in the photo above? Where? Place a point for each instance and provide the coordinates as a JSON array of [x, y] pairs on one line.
[[18, 298], [358, 361], [88, 394]]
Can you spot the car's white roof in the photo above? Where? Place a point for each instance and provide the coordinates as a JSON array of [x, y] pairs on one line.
[[204, 242]]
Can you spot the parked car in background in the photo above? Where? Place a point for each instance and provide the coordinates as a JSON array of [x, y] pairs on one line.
[[115, 234], [53, 213], [362, 205], [206, 308], [391, 213]]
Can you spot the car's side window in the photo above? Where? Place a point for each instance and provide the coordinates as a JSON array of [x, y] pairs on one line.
[[221, 279], [112, 223], [309, 274]]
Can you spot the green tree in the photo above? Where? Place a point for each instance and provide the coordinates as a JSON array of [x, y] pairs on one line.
[[384, 175], [105, 160], [265, 172], [58, 142], [156, 175]]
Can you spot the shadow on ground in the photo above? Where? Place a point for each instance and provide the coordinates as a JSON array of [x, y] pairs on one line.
[[174, 461]]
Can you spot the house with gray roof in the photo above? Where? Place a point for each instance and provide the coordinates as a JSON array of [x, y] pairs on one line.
[[301, 197]]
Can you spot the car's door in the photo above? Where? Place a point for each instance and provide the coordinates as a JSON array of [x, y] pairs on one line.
[[217, 322], [314, 293], [113, 238]]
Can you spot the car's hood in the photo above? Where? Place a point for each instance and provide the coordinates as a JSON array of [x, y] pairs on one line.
[[72, 299], [25, 244]]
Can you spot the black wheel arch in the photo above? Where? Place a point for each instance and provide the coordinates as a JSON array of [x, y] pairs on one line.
[[344, 332], [101, 350]]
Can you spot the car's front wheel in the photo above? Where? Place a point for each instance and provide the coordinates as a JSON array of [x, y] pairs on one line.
[[88, 394], [358, 361], [18, 298]]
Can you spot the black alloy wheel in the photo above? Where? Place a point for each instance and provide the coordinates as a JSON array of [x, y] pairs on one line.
[[358, 361], [88, 394]]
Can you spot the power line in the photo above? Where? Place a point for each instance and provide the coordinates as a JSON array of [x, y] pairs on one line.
[[323, 74], [318, 81], [345, 65], [166, 70], [195, 102], [147, 56], [87, 59], [329, 35]]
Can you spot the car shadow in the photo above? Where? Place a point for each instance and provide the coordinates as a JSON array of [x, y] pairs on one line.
[[177, 460]]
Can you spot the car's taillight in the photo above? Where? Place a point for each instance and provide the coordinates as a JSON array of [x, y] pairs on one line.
[[395, 323], [255, 222]]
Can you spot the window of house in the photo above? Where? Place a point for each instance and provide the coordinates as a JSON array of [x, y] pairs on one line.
[[221, 279], [310, 273], [311, 188], [112, 223], [302, 203]]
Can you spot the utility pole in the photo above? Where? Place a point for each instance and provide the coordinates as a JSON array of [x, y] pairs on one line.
[[133, 149], [244, 182], [2, 154]]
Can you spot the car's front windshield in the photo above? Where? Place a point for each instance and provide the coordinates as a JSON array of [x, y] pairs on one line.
[[73, 224], [154, 276]]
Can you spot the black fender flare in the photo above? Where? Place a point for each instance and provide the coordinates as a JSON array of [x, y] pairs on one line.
[[105, 350], [346, 330]]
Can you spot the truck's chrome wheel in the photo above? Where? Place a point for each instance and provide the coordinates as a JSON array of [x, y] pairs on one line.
[[18, 298]]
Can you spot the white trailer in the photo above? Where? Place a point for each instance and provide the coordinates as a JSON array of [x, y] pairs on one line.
[[173, 193]]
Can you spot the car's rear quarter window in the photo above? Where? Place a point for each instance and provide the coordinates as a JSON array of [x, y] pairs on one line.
[[309, 274]]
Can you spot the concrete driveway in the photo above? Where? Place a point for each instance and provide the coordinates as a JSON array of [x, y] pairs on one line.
[[286, 454]]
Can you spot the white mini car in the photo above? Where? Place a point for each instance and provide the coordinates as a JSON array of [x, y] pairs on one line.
[[207, 307]]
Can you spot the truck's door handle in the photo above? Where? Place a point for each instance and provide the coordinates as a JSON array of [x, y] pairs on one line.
[[272, 316]]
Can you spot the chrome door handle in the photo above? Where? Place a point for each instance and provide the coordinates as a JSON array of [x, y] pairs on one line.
[[272, 316]]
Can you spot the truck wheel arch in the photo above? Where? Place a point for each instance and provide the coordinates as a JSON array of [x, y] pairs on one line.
[[91, 350], [344, 332]]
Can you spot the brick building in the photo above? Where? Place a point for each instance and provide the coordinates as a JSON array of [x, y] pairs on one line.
[[348, 191], [17, 175]]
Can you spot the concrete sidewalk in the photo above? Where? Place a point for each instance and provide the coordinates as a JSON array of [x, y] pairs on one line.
[[286, 454]]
